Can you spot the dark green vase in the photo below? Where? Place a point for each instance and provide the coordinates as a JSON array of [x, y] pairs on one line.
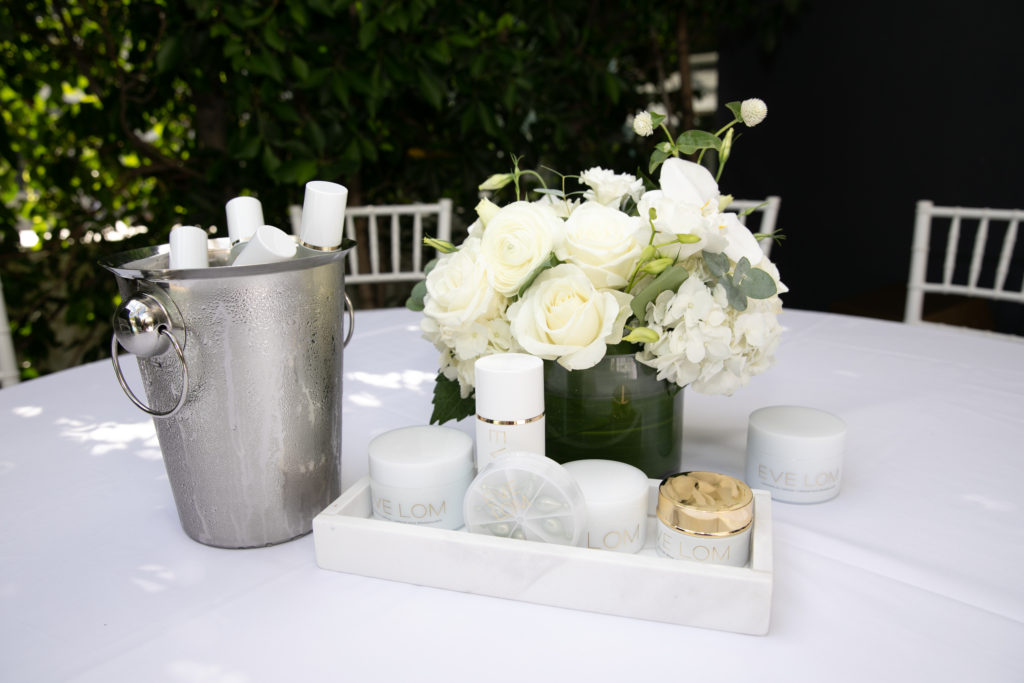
[[616, 410]]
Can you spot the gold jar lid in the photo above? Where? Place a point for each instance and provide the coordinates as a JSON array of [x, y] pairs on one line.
[[705, 503]]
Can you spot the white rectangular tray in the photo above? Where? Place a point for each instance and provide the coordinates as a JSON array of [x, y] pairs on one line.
[[642, 585]]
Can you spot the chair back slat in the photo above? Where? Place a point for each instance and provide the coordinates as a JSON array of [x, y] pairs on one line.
[[1005, 254], [952, 246], [396, 244], [417, 239], [374, 245], [350, 233], [980, 241]]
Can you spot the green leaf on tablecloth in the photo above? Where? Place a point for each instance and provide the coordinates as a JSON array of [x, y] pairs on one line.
[[415, 300], [448, 401], [669, 279]]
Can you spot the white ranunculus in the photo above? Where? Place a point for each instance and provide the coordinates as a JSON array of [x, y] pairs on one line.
[[458, 293], [516, 240], [564, 317], [608, 187], [741, 242], [603, 242]]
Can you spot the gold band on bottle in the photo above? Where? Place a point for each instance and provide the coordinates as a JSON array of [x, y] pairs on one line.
[[509, 423], [307, 245]]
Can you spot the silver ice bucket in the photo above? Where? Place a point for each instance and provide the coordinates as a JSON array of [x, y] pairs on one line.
[[242, 369]]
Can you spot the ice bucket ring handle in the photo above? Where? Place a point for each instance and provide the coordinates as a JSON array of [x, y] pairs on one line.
[[143, 326], [351, 321]]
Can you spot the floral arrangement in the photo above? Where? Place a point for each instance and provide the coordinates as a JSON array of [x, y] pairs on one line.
[[667, 270]]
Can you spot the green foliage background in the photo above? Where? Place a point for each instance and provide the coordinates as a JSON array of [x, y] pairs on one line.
[[157, 113]]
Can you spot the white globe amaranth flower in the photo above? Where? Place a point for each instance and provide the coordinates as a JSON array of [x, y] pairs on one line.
[[516, 240], [608, 187], [603, 242], [643, 125], [564, 317], [753, 111]]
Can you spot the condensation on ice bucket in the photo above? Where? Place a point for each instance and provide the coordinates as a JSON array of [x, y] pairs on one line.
[[252, 440]]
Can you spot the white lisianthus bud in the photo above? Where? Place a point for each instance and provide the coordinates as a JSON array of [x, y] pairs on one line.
[[485, 208], [753, 111], [496, 182], [643, 125]]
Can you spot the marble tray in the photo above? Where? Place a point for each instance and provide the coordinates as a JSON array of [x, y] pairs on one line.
[[642, 585]]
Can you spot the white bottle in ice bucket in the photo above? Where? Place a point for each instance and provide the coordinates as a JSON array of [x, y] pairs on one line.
[[245, 217], [323, 217], [189, 247], [267, 245]]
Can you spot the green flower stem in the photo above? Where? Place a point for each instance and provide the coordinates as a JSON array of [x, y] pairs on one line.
[[718, 134]]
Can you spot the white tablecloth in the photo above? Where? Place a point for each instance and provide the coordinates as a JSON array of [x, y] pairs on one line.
[[912, 573]]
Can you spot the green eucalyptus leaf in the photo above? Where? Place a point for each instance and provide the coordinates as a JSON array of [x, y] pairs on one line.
[[742, 268], [737, 299], [718, 264], [734, 107], [415, 300], [669, 279], [757, 284], [692, 140], [430, 266], [448, 401]]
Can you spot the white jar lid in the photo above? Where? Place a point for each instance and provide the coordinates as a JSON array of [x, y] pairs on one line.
[[245, 217], [609, 482], [791, 430], [420, 456], [526, 496], [323, 214], [509, 386]]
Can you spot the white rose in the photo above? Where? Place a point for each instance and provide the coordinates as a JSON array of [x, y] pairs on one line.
[[516, 240], [609, 187], [602, 241], [564, 317], [458, 293]]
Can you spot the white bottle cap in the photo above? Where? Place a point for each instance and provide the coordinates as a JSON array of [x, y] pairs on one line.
[[245, 216], [188, 247], [267, 245], [323, 215], [509, 387], [796, 453]]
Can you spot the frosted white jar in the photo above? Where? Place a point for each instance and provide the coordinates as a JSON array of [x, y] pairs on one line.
[[616, 495], [705, 517], [419, 475], [795, 453]]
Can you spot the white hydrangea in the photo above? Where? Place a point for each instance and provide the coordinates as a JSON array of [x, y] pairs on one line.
[[609, 187], [706, 344]]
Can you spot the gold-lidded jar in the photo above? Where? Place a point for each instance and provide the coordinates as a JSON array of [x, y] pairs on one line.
[[705, 517]]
